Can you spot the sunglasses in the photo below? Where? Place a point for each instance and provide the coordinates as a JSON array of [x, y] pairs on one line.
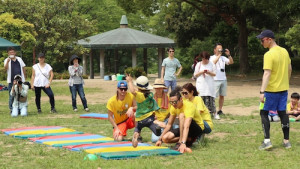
[[262, 40], [184, 93], [173, 102], [171, 51], [123, 89]]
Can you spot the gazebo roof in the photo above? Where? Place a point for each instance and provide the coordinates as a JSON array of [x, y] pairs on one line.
[[125, 38], [4, 44]]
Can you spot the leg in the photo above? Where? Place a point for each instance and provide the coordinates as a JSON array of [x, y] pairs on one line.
[[82, 96], [221, 102], [50, 94], [173, 84], [11, 98], [73, 95], [14, 112], [265, 123], [285, 125], [167, 84], [38, 97], [223, 92], [170, 137], [24, 111]]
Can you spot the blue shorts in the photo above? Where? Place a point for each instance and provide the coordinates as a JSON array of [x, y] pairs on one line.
[[275, 101]]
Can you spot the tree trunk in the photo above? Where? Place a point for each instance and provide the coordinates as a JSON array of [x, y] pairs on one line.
[[243, 45]]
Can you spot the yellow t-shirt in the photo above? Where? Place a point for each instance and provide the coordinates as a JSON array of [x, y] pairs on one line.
[[204, 112], [120, 107], [161, 114], [277, 60], [189, 110], [139, 97], [288, 107]]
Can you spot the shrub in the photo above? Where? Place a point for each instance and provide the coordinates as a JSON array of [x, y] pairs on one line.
[[135, 71]]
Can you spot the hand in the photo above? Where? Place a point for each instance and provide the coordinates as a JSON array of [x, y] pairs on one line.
[[162, 80], [47, 86], [158, 143], [32, 88], [76, 64], [227, 52], [182, 148], [128, 78], [262, 98], [295, 112], [8, 59], [15, 82], [116, 134], [130, 112]]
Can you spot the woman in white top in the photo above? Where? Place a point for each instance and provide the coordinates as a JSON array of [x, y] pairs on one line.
[[41, 79], [205, 72]]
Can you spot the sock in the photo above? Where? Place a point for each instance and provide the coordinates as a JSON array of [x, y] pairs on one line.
[[267, 140]]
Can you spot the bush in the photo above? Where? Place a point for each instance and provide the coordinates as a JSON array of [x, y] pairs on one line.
[[135, 71]]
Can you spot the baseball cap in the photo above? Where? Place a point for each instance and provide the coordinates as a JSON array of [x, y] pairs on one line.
[[266, 33], [122, 84], [41, 55]]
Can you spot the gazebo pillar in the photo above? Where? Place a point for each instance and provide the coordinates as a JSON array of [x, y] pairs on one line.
[[102, 70], [116, 60], [133, 57], [145, 60], [84, 64], [91, 65], [160, 59]]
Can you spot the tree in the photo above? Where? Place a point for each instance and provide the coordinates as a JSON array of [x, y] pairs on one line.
[[293, 37]]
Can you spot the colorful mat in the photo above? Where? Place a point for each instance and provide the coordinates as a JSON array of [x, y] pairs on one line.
[[95, 116]]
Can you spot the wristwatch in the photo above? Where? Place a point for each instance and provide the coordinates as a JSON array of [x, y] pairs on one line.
[[183, 142], [260, 92]]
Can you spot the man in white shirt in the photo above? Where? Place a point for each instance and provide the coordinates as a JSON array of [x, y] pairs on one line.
[[220, 78], [14, 65]]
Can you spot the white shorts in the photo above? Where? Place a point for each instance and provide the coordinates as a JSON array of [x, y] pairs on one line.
[[221, 87]]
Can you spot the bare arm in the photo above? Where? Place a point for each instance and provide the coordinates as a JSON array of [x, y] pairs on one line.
[[162, 73], [179, 71], [187, 123], [24, 72], [265, 81], [131, 87], [168, 127], [290, 70], [32, 78]]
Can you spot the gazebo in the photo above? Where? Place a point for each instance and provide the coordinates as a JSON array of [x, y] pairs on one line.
[[124, 38], [4, 44]]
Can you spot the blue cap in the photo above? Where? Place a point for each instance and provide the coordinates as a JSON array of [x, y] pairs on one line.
[[266, 33], [122, 84]]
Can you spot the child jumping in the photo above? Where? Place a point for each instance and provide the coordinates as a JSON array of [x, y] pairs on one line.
[[146, 107]]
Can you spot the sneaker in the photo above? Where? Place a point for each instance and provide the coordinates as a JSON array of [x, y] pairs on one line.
[[39, 111], [177, 145], [135, 141], [158, 130], [201, 138], [87, 109], [287, 145], [140, 139], [266, 146], [220, 112], [53, 110], [75, 110], [216, 116]]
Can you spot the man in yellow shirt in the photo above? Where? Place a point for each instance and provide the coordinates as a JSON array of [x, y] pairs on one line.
[[191, 124], [121, 109], [275, 84]]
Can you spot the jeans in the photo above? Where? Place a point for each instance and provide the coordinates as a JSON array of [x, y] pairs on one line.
[[169, 83], [78, 88], [50, 94], [11, 98], [15, 111]]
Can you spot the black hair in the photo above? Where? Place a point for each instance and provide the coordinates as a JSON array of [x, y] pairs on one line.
[[190, 87], [204, 55], [295, 96], [170, 48], [176, 92], [217, 44], [10, 49]]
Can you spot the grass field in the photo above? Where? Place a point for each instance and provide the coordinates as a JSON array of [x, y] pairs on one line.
[[233, 143]]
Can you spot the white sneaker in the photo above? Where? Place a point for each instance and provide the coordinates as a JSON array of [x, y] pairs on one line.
[[87, 109], [216, 116], [75, 110]]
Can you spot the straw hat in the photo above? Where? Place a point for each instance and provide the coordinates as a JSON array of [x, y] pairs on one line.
[[159, 84], [142, 83]]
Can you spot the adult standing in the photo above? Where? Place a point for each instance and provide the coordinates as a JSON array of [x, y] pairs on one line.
[[121, 108], [220, 78], [169, 68], [76, 82], [14, 65], [42, 75], [275, 84], [205, 72]]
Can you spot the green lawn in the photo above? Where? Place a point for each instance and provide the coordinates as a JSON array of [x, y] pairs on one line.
[[233, 143]]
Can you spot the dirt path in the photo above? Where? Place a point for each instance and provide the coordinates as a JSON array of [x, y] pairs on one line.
[[238, 87]]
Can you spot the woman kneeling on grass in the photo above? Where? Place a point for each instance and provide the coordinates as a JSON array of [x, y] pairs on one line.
[[190, 123], [146, 107]]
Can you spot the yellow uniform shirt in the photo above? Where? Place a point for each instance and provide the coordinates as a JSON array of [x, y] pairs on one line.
[[288, 107], [139, 97], [119, 108], [204, 112], [277, 60], [161, 114], [189, 110]]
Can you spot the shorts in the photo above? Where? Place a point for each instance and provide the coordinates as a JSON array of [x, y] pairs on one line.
[[125, 125], [148, 122], [194, 131], [220, 87], [209, 103], [275, 101]]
